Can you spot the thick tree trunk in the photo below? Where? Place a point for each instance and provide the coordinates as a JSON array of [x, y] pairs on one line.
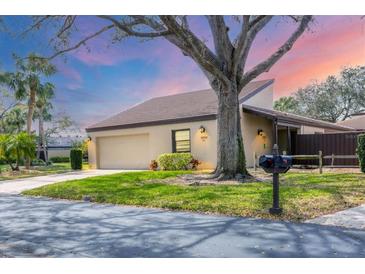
[[230, 152]]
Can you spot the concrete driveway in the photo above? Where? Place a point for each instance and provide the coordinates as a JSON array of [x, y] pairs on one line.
[[19, 185], [39, 227]]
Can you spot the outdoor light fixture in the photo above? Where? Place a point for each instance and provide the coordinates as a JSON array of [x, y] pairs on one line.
[[89, 138], [202, 129], [260, 132]]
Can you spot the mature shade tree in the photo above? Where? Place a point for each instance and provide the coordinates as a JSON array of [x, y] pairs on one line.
[[335, 99], [286, 104], [224, 66], [43, 114]]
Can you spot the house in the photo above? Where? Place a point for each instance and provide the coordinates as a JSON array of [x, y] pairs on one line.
[[187, 122], [357, 121], [60, 146]]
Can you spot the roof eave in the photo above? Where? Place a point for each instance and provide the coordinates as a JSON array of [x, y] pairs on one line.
[[156, 123]]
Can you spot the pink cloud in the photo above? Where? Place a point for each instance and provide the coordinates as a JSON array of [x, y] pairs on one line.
[[74, 77]]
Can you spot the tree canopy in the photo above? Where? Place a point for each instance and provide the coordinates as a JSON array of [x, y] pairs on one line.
[[335, 99]]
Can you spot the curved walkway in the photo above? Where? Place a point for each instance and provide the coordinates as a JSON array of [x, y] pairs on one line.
[[39, 227]]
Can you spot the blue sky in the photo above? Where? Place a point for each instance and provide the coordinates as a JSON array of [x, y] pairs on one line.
[[91, 86]]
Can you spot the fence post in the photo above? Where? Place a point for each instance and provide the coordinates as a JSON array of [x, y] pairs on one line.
[[333, 160], [320, 160], [254, 160]]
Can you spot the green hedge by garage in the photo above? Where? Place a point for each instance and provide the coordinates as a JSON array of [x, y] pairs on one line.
[[76, 158], [361, 151], [175, 161]]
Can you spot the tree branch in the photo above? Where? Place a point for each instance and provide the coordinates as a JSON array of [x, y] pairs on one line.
[[268, 63], [222, 43], [80, 43], [195, 48], [127, 28], [245, 39]]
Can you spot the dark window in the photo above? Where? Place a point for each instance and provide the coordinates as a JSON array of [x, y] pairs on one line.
[[181, 140]]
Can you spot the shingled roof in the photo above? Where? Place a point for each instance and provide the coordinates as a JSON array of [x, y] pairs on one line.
[[184, 107], [285, 117]]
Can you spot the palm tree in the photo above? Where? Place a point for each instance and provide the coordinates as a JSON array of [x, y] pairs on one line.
[[15, 147], [26, 82], [42, 113], [14, 120]]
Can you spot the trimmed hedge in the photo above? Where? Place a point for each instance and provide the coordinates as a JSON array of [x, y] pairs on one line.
[[76, 158], [175, 161], [361, 151], [60, 159]]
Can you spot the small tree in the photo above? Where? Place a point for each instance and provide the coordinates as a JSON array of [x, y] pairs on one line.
[[361, 151], [14, 147]]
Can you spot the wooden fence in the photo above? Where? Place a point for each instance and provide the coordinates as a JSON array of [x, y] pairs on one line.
[[341, 145], [318, 158]]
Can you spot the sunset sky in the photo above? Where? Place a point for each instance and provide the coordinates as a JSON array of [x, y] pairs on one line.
[[92, 85]]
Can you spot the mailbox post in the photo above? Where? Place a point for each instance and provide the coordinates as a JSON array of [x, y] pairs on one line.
[[275, 164], [276, 209]]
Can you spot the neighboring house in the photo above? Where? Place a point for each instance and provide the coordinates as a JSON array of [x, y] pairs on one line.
[[186, 122], [61, 146], [357, 121]]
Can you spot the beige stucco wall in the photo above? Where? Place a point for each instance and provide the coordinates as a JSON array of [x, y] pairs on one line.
[[160, 141], [254, 143], [310, 130], [263, 99]]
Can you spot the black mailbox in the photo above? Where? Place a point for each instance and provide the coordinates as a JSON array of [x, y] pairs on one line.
[[275, 163]]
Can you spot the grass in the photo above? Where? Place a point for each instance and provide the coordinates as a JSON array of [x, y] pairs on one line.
[[303, 195], [56, 168]]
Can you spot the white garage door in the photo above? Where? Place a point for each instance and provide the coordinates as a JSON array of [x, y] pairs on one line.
[[126, 152]]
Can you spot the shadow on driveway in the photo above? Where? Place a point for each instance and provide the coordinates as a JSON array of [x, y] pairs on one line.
[[39, 227]]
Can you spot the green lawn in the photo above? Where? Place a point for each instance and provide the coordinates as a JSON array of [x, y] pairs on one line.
[[7, 174], [303, 195]]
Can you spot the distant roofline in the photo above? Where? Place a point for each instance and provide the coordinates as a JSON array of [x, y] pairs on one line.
[[294, 118], [182, 119]]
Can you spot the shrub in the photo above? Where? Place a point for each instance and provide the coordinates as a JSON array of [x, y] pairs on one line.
[[174, 161], [76, 158], [194, 163], [361, 151], [38, 162], [83, 145], [60, 159], [153, 165]]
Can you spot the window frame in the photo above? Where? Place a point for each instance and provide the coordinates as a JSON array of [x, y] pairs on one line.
[[173, 138]]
